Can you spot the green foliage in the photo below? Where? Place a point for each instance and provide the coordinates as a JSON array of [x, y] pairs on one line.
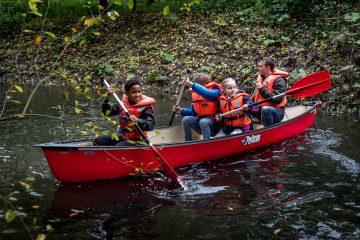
[[352, 17], [10, 216], [168, 57]]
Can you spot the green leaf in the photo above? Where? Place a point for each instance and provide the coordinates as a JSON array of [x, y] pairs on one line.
[[33, 7], [115, 136], [107, 113], [245, 71], [168, 57], [166, 10], [130, 76], [131, 4], [356, 85], [50, 34], [285, 38], [87, 79], [132, 124], [117, 2], [29, 179], [269, 42], [109, 69], [10, 216]]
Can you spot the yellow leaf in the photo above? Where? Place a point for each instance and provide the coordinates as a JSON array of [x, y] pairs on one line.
[[24, 184], [86, 90], [96, 34], [88, 22], [50, 34], [77, 110], [82, 43], [83, 132], [157, 131], [37, 40], [74, 30], [112, 17], [101, 8], [66, 39], [73, 214], [12, 199], [41, 236], [49, 227], [27, 31], [19, 89], [35, 206], [15, 101]]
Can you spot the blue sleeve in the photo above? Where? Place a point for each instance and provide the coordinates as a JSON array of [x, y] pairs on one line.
[[188, 111], [249, 101], [209, 94]]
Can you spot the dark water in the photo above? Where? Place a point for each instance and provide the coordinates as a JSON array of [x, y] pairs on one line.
[[303, 188]]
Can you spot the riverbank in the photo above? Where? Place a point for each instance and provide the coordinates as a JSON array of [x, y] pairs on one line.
[[157, 50]]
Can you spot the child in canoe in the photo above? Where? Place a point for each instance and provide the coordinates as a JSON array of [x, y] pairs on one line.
[[201, 115], [141, 112], [232, 99]]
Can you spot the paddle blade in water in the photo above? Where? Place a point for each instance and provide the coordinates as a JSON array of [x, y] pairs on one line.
[[311, 85]]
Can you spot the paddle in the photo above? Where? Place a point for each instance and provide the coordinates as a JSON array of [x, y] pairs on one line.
[[167, 168], [305, 87], [187, 72]]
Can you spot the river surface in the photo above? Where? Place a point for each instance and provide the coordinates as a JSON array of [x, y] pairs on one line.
[[303, 188]]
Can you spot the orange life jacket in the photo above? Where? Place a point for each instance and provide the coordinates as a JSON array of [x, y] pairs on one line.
[[268, 83], [202, 106], [226, 105], [130, 132]]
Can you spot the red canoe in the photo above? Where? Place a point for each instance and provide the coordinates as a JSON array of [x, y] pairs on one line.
[[79, 161]]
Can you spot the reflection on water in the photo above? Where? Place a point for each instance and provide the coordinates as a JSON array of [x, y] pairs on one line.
[[304, 188]]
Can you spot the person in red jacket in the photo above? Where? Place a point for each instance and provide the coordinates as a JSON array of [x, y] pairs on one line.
[[270, 82], [141, 112]]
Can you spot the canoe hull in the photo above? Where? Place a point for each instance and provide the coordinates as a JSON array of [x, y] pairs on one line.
[[77, 163]]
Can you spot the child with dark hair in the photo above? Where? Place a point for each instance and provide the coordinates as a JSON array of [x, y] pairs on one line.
[[141, 112]]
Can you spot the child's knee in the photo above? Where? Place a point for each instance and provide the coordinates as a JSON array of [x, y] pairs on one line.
[[204, 122]]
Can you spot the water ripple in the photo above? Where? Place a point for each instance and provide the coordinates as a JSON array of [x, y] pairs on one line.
[[323, 140]]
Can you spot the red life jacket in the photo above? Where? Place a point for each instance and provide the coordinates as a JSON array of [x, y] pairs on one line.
[[202, 106], [268, 83], [237, 119], [130, 132]]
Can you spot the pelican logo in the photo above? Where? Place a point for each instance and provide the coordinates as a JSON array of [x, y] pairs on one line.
[[251, 139]]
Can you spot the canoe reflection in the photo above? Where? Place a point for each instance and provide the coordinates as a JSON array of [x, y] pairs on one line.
[[92, 198]]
